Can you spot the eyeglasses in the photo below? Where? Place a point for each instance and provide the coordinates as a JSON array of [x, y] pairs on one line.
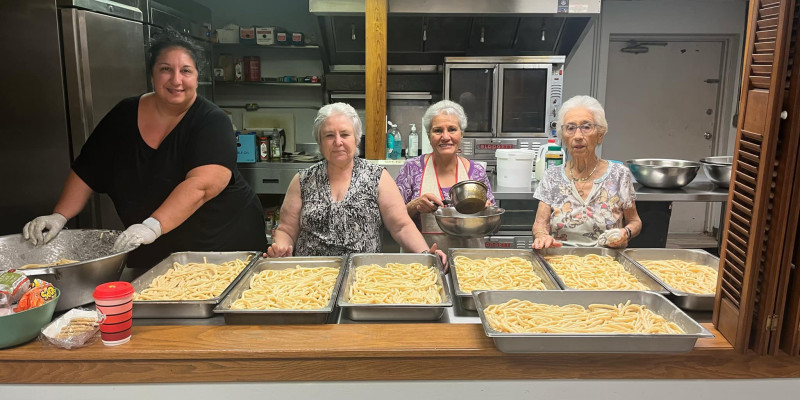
[[570, 129]]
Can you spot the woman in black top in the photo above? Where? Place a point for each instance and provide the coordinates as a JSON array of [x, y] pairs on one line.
[[167, 159]]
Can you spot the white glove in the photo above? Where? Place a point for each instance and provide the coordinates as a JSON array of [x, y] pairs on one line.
[[610, 237], [34, 230], [138, 234]]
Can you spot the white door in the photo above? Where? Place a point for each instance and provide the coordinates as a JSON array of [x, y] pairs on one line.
[[662, 104]]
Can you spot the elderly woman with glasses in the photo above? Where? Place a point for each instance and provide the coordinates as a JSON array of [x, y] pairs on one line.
[[338, 205], [588, 201]]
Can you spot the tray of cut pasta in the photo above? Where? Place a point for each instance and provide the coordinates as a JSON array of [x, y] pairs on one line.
[[394, 287], [597, 268], [290, 290], [189, 284], [690, 275], [496, 269], [585, 322]]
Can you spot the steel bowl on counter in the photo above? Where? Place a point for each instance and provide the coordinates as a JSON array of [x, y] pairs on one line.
[[718, 169], [469, 197], [92, 249], [663, 173], [479, 224]]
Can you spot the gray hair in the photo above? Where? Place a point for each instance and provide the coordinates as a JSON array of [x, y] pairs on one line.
[[337, 109], [445, 107], [589, 103]]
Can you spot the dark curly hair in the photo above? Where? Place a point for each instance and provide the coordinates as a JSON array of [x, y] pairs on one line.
[[171, 38]]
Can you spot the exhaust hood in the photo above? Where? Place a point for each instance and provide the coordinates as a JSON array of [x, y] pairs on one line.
[[421, 33]]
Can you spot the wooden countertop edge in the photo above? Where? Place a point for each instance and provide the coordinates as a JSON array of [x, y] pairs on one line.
[[363, 352]]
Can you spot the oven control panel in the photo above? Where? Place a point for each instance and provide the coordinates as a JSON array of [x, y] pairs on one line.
[[521, 242]]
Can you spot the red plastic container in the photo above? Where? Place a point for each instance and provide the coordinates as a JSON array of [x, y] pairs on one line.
[[117, 318], [252, 69], [114, 298]]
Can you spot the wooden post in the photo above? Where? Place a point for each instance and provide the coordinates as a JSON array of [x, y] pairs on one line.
[[375, 74]]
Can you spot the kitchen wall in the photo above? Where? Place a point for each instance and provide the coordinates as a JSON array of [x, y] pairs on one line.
[[587, 69]]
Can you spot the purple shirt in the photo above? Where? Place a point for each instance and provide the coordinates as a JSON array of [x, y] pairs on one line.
[[409, 180]]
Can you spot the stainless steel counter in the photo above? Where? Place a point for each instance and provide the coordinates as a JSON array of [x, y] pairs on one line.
[[274, 177]]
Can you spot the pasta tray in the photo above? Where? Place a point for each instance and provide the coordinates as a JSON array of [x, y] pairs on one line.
[[627, 264], [592, 342], [684, 300], [465, 297], [398, 311], [281, 316], [186, 308]]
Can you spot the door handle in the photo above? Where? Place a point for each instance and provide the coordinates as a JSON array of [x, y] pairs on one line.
[[270, 180], [707, 135]]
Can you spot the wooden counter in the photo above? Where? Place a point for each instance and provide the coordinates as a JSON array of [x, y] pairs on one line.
[[357, 352]]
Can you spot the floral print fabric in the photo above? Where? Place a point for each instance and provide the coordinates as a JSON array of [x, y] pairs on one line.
[[576, 222]]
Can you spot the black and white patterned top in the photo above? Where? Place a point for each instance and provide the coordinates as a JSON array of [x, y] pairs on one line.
[[353, 225]]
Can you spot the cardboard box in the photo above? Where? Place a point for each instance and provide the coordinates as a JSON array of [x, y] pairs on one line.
[[247, 35], [265, 35], [228, 34], [246, 151]]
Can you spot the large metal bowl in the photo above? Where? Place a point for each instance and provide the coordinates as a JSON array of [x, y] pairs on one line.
[[718, 169], [97, 263], [480, 224], [663, 173], [469, 197]]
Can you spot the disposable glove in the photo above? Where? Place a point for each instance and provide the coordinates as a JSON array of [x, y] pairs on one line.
[[612, 238], [34, 231], [138, 234]]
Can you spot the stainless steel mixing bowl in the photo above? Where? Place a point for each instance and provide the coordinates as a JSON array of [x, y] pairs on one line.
[[479, 224], [663, 173], [469, 197], [718, 169], [97, 263]]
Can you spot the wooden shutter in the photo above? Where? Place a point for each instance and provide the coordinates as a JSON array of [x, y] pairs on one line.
[[750, 269], [790, 130]]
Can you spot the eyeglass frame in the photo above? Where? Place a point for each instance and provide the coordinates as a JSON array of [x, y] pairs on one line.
[[579, 128]]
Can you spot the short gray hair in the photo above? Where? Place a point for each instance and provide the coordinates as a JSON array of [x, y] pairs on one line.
[[445, 107], [589, 103], [337, 109]]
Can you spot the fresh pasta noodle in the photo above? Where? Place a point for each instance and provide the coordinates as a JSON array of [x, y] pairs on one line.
[[507, 273], [62, 261], [295, 288], [522, 316], [593, 272], [685, 276], [395, 284], [193, 281]]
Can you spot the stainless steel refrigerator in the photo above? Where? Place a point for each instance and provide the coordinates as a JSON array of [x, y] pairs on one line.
[[67, 63]]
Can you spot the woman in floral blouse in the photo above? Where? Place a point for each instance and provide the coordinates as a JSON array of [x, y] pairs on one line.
[[588, 201]]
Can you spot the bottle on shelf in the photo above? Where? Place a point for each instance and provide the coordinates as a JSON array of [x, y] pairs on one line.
[[554, 155], [263, 147], [389, 141], [541, 163], [397, 149], [413, 142]]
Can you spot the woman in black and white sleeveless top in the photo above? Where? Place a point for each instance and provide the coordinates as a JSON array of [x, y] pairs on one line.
[[338, 205]]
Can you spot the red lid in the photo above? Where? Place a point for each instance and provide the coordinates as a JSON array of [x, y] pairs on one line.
[[113, 290]]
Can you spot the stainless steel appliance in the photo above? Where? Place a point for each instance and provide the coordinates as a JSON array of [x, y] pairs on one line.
[[79, 59]]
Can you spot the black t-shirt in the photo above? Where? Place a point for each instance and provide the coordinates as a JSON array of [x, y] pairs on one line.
[[117, 161]]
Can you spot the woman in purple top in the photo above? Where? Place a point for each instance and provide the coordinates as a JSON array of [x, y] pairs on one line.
[[425, 181]]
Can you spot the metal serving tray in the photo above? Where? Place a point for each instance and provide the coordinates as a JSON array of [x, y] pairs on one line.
[[592, 342], [185, 308], [394, 312], [262, 317], [628, 264], [465, 298], [684, 300]]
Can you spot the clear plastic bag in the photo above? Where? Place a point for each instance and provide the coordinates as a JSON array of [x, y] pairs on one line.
[[74, 329]]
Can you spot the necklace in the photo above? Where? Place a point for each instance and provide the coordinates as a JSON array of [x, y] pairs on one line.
[[576, 179]]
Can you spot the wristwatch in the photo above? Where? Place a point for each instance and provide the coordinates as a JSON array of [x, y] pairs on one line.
[[630, 235]]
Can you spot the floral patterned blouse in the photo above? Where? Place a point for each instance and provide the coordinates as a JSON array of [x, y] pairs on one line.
[[576, 222], [353, 225], [409, 180]]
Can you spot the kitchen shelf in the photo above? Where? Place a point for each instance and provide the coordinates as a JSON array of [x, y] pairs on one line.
[[261, 46], [245, 83]]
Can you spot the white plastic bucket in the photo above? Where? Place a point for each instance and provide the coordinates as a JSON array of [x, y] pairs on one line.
[[514, 167]]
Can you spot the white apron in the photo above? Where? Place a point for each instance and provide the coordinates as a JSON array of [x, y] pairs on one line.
[[430, 229]]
